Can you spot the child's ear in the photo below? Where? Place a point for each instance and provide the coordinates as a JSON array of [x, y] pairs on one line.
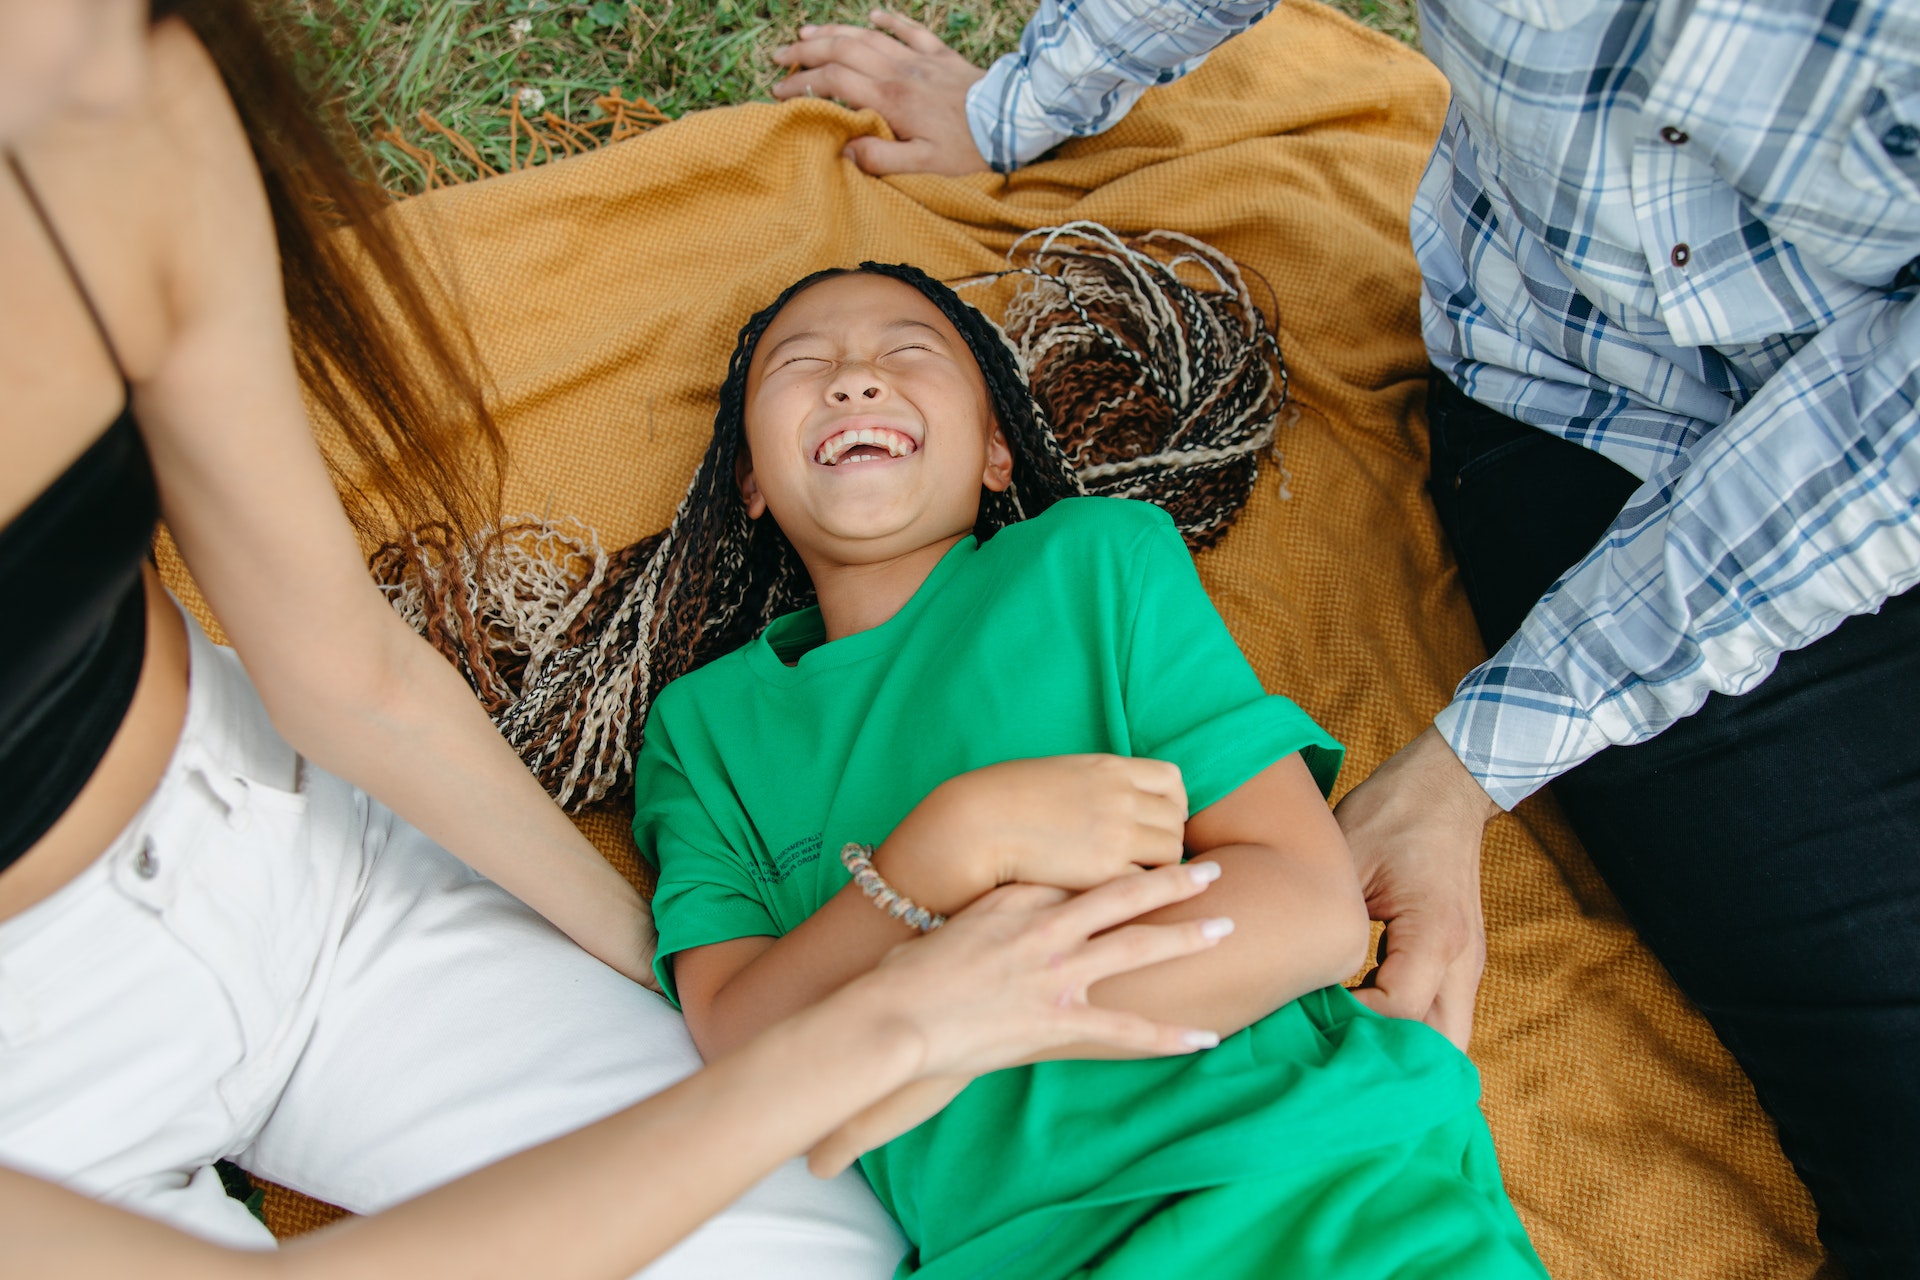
[[749, 489], [999, 473]]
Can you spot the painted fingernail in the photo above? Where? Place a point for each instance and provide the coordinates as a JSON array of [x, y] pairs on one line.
[[1204, 872], [1199, 1039], [1216, 928]]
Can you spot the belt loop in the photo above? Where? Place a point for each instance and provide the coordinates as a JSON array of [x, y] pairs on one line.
[[233, 790], [226, 716]]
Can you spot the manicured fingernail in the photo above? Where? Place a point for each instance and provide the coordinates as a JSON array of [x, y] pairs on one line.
[[1204, 872], [1199, 1039], [1216, 928]]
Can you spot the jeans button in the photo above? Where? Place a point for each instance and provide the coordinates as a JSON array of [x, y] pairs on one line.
[[145, 865]]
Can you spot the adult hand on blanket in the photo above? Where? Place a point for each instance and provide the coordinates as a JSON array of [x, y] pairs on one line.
[[1414, 828], [1006, 980], [905, 73]]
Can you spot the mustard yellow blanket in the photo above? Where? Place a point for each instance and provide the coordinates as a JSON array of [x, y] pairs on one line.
[[605, 291]]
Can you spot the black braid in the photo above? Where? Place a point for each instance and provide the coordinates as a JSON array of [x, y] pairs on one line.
[[767, 579]]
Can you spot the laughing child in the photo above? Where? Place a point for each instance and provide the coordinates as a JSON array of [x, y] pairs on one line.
[[977, 626]]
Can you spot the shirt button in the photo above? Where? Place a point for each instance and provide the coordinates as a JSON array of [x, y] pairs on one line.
[[1901, 140], [1680, 255], [1673, 135], [145, 865]]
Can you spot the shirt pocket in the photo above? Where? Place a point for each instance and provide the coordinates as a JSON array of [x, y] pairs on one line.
[[1882, 151]]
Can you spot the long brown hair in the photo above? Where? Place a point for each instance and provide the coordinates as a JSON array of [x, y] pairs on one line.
[[378, 348]]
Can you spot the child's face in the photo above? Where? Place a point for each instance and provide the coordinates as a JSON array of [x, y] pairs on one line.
[[871, 355]]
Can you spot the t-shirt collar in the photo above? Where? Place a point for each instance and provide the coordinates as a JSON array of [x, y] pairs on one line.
[[804, 632]]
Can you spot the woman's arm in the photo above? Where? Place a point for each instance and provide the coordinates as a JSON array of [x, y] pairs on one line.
[[255, 516], [1287, 880], [1007, 979], [589, 1204]]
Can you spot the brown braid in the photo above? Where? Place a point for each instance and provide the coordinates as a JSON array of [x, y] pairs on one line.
[[1156, 389], [1116, 376]]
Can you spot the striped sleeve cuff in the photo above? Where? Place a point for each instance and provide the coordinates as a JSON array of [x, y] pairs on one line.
[[1011, 126], [1516, 728]]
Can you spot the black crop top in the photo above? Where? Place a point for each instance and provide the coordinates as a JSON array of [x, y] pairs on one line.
[[70, 570]]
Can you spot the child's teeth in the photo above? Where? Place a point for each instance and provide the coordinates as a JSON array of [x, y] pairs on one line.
[[896, 445]]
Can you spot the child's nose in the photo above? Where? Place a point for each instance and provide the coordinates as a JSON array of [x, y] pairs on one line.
[[856, 384]]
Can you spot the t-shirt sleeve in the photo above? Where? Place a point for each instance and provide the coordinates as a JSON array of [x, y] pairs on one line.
[[1191, 696], [705, 893]]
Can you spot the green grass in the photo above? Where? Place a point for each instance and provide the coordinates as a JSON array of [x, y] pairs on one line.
[[1395, 17], [464, 60]]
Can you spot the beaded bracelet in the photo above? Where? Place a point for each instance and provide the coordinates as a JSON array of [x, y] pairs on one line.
[[858, 860]]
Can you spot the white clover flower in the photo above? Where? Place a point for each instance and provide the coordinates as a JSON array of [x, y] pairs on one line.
[[521, 28], [532, 100]]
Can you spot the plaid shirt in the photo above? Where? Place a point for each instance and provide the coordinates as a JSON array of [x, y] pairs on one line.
[[1683, 233]]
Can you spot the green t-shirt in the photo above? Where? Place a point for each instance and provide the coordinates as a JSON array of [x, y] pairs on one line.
[[1085, 629]]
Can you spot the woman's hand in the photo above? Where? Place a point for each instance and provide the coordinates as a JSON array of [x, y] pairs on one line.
[[1006, 980], [1071, 822], [1068, 822]]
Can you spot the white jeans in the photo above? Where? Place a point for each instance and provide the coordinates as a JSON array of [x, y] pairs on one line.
[[269, 966]]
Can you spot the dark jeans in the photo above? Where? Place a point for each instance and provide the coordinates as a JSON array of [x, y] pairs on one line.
[[1767, 848]]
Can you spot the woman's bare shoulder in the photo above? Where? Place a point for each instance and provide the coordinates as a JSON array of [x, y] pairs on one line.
[[141, 194], [215, 228], [194, 121]]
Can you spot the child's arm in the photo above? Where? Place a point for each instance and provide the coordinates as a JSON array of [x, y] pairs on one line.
[[1288, 884], [1069, 821]]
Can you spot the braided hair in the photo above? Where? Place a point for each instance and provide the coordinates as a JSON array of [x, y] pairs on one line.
[[1119, 377], [757, 574]]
